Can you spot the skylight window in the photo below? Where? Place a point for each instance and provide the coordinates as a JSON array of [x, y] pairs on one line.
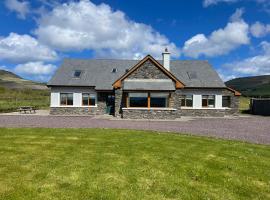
[[77, 73], [192, 75], [114, 70]]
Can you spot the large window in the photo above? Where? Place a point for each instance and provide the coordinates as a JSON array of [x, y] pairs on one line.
[[226, 101], [159, 100], [147, 100], [208, 101], [66, 99], [138, 99], [187, 101], [88, 99]]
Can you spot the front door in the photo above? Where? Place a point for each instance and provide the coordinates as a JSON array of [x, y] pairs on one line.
[[110, 104]]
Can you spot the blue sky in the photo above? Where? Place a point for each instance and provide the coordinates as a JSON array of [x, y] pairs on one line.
[[35, 36]]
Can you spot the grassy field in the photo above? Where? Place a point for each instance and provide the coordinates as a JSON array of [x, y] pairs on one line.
[[244, 104], [124, 164], [12, 99]]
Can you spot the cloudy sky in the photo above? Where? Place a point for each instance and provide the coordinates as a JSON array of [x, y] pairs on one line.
[[36, 35]]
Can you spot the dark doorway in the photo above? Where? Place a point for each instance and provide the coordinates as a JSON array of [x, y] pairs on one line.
[[110, 104]]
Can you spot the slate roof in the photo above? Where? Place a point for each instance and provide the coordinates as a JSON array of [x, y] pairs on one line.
[[98, 73], [149, 84]]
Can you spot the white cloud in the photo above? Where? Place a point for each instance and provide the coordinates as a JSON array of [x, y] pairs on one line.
[[35, 68], [24, 48], [3, 67], [207, 3], [84, 25], [221, 41], [22, 8], [259, 29], [256, 65]]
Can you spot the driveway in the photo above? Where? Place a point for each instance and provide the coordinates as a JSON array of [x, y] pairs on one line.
[[254, 129]]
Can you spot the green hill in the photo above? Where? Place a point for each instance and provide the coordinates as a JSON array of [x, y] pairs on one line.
[[12, 81], [16, 91], [255, 86]]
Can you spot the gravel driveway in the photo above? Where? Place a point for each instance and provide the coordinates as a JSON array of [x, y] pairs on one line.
[[252, 129]]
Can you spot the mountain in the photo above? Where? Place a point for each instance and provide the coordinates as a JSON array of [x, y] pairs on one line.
[[251, 86], [12, 81]]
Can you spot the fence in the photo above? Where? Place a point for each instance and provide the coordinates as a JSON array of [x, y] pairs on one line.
[[260, 106]]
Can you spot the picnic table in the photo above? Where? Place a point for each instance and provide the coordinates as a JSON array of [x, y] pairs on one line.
[[26, 109]]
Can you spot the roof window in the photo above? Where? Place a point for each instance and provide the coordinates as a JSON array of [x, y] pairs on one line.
[[114, 70], [192, 75], [77, 73]]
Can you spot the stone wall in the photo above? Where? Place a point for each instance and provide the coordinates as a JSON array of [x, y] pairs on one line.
[[148, 71], [73, 110], [202, 112], [149, 114], [118, 102], [235, 101]]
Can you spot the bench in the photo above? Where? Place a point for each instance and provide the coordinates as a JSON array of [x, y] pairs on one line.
[[26, 109]]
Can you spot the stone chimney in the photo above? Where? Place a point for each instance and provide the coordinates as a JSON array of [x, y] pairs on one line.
[[166, 59]]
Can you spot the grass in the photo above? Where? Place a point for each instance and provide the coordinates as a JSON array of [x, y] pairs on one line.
[[244, 104], [127, 164], [12, 99]]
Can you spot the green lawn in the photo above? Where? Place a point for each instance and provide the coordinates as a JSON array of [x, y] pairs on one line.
[[123, 164]]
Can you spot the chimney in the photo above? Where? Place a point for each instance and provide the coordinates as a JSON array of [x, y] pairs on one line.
[[166, 59]]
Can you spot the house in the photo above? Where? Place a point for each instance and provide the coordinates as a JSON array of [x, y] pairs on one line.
[[147, 88]]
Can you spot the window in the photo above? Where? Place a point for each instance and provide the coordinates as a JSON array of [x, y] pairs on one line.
[[208, 101], [159, 100], [77, 73], [187, 101], [226, 101], [138, 99], [88, 99], [144, 100], [114, 70], [66, 99]]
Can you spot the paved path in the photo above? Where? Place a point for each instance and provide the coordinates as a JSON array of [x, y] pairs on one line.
[[252, 129]]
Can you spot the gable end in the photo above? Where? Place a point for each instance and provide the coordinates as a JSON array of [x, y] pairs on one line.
[[148, 68]]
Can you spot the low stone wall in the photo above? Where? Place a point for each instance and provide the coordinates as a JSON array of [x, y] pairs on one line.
[[149, 114], [202, 112], [73, 110]]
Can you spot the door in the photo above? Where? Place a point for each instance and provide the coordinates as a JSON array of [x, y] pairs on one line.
[[110, 104]]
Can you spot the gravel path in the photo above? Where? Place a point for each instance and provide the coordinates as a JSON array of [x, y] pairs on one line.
[[252, 129]]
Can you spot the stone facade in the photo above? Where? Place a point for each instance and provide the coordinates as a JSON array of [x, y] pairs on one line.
[[202, 112], [73, 111], [148, 70], [118, 102], [175, 110], [235, 101], [99, 110], [149, 114]]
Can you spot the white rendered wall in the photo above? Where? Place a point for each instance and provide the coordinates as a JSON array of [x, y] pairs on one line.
[[77, 95], [218, 101], [55, 99], [197, 97], [166, 60], [197, 101]]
